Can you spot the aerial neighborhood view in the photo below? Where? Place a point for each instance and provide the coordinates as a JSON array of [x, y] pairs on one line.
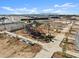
[[39, 29]]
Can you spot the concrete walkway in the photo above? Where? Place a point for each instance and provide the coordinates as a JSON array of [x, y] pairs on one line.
[[76, 54], [24, 38], [50, 48]]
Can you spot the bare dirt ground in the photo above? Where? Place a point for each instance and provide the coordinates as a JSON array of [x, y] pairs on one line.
[[23, 33], [10, 47], [70, 45], [60, 55]]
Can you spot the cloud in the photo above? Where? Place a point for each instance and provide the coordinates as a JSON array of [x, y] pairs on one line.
[[65, 5], [27, 11], [48, 10], [21, 10], [63, 8], [8, 8]]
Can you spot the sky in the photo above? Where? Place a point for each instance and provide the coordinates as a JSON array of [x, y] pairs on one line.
[[39, 6]]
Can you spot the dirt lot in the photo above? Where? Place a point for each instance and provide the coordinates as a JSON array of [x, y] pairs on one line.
[[10, 47], [23, 33], [60, 55], [70, 45]]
